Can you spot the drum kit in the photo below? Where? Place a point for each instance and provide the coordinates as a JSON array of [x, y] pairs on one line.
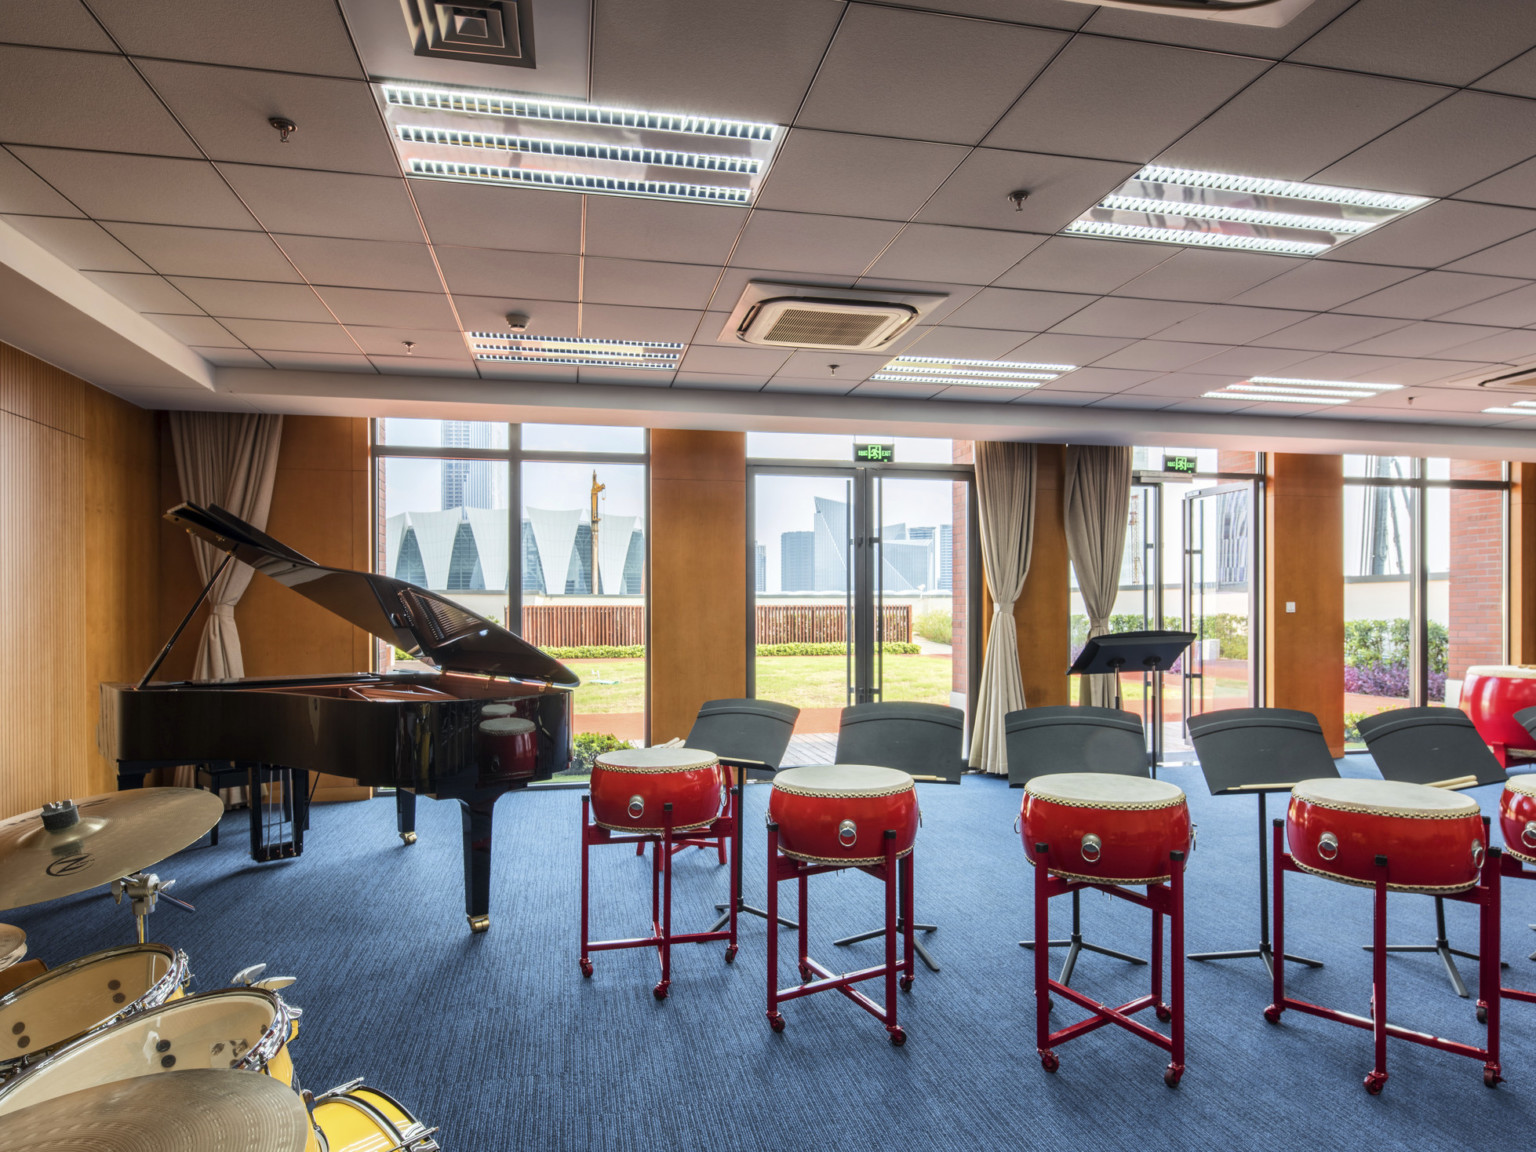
[[111, 1051]]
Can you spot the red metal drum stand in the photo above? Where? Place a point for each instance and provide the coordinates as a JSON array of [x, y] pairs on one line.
[[1163, 900], [728, 824], [1510, 866], [1485, 895], [896, 873]]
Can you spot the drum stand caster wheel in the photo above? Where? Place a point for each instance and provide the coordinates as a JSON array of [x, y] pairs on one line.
[[1049, 1061], [805, 974], [1272, 1014], [1164, 1013], [1172, 1075], [906, 983], [586, 969], [898, 1037], [1491, 1078], [1376, 1081], [1482, 1013], [660, 991], [730, 954], [775, 1021]]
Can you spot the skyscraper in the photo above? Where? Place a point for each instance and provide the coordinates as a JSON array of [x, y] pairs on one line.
[[760, 582], [797, 562], [466, 483]]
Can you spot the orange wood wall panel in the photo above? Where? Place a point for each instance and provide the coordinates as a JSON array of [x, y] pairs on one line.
[[698, 575], [1522, 564], [77, 573], [1304, 656]]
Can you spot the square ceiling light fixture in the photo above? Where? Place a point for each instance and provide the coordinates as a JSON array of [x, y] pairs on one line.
[[531, 142], [1290, 390], [1213, 210], [581, 351], [969, 373]]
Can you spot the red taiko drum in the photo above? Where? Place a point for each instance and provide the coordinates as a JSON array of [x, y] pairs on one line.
[[1105, 828], [1432, 838], [1491, 695], [508, 748], [839, 813], [1517, 817], [631, 786]]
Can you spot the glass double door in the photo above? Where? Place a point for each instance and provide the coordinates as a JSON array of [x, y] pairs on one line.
[[859, 579], [1190, 555]]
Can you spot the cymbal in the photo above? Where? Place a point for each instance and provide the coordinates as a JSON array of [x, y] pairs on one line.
[[199, 1110], [114, 834], [13, 945]]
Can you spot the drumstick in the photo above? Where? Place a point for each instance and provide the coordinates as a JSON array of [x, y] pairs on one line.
[[1259, 788], [1455, 782], [928, 779]]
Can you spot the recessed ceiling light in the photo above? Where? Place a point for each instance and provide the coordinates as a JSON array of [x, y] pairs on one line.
[[656, 355], [1166, 205], [1298, 390], [900, 378], [1304, 383], [969, 373], [1053, 369], [1252, 399], [507, 138], [1517, 408], [1280, 390]]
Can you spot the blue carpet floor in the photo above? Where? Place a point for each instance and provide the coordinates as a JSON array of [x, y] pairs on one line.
[[499, 1040]]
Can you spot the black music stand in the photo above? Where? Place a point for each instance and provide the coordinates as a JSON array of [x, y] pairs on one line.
[[1259, 751], [1117, 652]]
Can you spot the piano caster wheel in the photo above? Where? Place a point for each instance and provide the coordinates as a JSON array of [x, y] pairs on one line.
[[586, 969], [479, 924], [407, 837]]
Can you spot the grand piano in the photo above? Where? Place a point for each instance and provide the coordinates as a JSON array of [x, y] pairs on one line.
[[495, 716]]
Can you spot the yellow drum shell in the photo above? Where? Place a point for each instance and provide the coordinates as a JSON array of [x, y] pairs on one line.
[[362, 1119]]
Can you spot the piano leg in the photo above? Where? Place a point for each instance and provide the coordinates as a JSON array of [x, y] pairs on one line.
[[405, 815], [477, 862]]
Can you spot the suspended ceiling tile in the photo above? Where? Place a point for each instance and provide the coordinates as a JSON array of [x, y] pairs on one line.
[[1424, 39], [231, 358], [813, 364], [1061, 348], [1430, 294], [282, 35], [488, 272], [890, 390], [489, 314], [1057, 397], [1076, 264], [1293, 121], [1181, 384], [414, 365], [1511, 347], [297, 202], [966, 343], [1240, 363], [741, 362], [706, 381], [959, 255], [822, 387], [428, 344], [617, 322], [539, 373], [81, 244], [1230, 324], [1212, 277], [1326, 333], [1047, 13], [639, 229], [57, 24], [1128, 318], [1517, 78], [141, 189], [1422, 339], [1219, 36], [199, 330], [1436, 234], [364, 263], [206, 252], [1349, 366], [390, 308], [1515, 185], [829, 172], [1511, 258], [289, 336], [1465, 138], [1159, 355], [895, 72], [1430, 371], [83, 100], [647, 283], [22, 190], [1059, 187], [227, 112], [315, 361], [797, 242], [1135, 402], [752, 61], [1515, 309], [253, 300], [637, 378], [1093, 99], [1101, 380], [1017, 310], [515, 219], [1320, 285], [145, 292]]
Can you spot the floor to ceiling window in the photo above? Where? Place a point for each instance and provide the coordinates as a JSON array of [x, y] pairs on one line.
[[538, 527], [1424, 574]]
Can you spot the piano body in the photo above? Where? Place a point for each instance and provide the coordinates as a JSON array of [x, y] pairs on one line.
[[494, 717]]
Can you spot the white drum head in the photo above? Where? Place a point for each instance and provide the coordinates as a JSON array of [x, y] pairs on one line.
[[1524, 784], [506, 726], [1386, 798], [498, 710], [1105, 790], [1504, 671], [657, 759], [842, 780]]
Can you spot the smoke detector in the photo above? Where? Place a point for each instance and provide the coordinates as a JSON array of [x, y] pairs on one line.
[[835, 319]]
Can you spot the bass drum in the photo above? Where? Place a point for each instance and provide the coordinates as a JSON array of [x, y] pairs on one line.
[[354, 1118], [92, 992]]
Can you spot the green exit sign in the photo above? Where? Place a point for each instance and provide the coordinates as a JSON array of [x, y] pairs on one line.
[[874, 453], [1184, 464]]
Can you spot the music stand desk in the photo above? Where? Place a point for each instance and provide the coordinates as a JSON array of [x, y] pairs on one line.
[[1116, 652], [745, 770]]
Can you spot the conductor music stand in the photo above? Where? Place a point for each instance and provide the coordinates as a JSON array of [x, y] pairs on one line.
[[1117, 652], [1257, 751]]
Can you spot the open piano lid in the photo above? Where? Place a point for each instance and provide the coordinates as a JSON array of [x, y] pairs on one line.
[[420, 622]]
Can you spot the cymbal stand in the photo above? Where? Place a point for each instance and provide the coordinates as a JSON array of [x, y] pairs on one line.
[[143, 890]]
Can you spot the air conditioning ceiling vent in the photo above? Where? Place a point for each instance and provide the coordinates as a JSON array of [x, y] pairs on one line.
[[834, 319], [1263, 13], [482, 31]]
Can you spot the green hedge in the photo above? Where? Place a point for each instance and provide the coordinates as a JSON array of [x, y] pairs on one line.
[[1228, 627], [591, 745], [1377, 643], [637, 651], [599, 652]]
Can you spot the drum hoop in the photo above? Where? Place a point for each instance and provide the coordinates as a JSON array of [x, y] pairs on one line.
[[1519, 855], [1388, 810], [415, 1137], [1179, 801], [178, 961], [656, 770], [842, 861], [793, 790], [676, 828], [1522, 785], [1428, 889]]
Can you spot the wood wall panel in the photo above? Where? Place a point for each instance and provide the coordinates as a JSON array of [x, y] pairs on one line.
[[698, 576], [1522, 564], [1304, 653], [77, 573]]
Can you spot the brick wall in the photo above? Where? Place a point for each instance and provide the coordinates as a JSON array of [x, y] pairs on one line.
[[1476, 569]]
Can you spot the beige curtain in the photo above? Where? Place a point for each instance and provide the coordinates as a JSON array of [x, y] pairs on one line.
[[1005, 499], [1098, 498], [227, 459]]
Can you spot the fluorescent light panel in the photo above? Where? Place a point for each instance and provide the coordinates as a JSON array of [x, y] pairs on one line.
[[1304, 383], [508, 138], [1517, 408], [1166, 205], [1298, 390], [902, 378], [1225, 395], [969, 373], [588, 352]]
